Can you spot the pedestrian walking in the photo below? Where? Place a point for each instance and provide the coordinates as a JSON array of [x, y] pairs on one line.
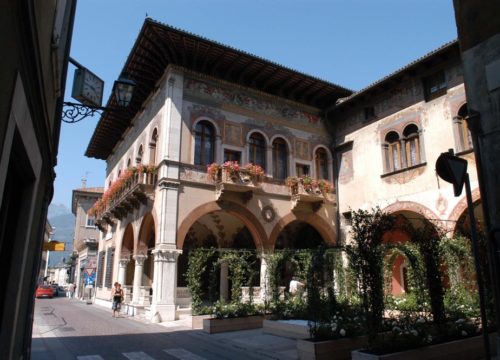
[[71, 290], [116, 297]]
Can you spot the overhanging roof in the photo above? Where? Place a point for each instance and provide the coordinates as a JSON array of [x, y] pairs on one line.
[[159, 45], [422, 64]]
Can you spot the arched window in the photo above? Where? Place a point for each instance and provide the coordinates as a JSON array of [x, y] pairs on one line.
[[140, 152], [280, 159], [412, 145], [393, 152], [321, 159], [152, 147], [462, 133], [257, 149], [204, 143]]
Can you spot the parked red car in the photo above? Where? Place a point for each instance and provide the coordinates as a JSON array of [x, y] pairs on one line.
[[44, 291]]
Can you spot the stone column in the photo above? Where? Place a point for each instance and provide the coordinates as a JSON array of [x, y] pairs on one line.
[[139, 264], [122, 270], [165, 283], [264, 278], [224, 288]]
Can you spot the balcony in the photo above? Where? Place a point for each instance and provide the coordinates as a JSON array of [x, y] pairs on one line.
[[241, 183], [124, 196], [307, 193]]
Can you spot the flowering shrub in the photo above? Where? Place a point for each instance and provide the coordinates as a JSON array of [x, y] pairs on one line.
[[325, 186], [212, 170], [114, 190], [232, 310], [309, 184], [232, 166], [254, 170]]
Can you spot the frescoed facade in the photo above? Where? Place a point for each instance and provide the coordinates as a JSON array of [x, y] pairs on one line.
[[199, 103]]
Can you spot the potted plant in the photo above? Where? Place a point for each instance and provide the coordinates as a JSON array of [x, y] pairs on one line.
[[213, 171]]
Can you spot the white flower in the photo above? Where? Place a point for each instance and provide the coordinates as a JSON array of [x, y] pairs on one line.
[[334, 326], [396, 329], [414, 332], [342, 332], [420, 320], [460, 321], [429, 338], [464, 333]]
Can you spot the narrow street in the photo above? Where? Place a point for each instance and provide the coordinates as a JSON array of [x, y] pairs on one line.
[[70, 329]]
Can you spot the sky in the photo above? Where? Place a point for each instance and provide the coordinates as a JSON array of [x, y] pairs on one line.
[[352, 43]]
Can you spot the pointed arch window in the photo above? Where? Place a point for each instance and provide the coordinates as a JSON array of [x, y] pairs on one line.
[[280, 159], [412, 145], [257, 149], [321, 162], [204, 146], [129, 163], [152, 147]]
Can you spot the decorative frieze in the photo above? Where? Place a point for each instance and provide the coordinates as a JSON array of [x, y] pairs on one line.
[[224, 95], [166, 255]]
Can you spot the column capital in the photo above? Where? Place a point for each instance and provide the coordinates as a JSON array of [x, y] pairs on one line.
[[124, 261], [139, 259], [166, 255]]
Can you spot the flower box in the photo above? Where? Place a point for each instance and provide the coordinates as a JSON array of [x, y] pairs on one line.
[[337, 349], [197, 321], [286, 328], [464, 349], [213, 325]]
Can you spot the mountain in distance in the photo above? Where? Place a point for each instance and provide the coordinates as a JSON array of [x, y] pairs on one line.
[[63, 222]]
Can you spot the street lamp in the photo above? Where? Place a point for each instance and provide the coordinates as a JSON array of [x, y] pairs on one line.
[[88, 89]]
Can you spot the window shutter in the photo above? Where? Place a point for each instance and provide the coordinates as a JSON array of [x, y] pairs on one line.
[[100, 269], [110, 255]]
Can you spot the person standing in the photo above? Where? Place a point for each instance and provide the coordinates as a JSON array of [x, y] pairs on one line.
[[71, 290], [116, 297]]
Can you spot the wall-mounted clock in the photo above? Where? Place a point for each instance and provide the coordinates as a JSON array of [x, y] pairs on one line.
[[87, 87]]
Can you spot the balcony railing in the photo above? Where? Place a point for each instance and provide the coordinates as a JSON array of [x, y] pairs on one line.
[[239, 182], [135, 191], [306, 196]]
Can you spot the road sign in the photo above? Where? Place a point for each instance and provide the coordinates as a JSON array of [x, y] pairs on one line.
[[452, 169], [54, 246]]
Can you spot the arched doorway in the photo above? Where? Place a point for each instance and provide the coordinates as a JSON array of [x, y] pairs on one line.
[[143, 254], [126, 263], [221, 230], [296, 235]]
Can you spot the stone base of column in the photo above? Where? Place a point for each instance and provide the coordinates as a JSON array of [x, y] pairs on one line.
[[160, 313]]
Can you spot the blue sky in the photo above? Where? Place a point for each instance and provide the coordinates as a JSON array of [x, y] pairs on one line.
[[348, 42]]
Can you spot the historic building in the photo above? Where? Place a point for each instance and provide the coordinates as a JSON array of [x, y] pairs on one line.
[[387, 138], [86, 236], [199, 103], [35, 43]]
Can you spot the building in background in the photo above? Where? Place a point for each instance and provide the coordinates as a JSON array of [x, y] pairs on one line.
[[387, 138], [86, 236], [35, 43]]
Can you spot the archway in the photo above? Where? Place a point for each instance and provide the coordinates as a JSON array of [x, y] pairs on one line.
[[296, 235], [126, 252], [145, 245], [407, 222], [221, 230]]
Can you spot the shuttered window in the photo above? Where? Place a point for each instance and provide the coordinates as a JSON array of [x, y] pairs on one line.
[[110, 256], [100, 269]]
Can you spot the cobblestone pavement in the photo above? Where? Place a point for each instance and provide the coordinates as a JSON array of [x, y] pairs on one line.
[[69, 329]]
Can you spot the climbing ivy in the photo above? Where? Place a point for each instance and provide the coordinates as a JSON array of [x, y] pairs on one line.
[[197, 265], [366, 260]]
